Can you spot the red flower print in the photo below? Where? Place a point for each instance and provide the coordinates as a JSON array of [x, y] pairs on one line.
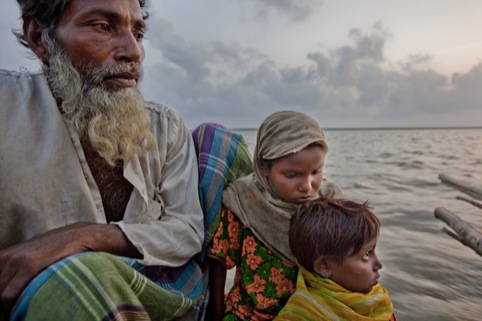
[[234, 244], [258, 316], [229, 262], [249, 245], [233, 229], [230, 217], [253, 261], [276, 275], [257, 286], [235, 295], [242, 312], [223, 246], [264, 302], [284, 286]]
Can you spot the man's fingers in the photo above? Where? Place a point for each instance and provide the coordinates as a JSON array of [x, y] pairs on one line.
[[7, 291], [12, 291], [12, 283]]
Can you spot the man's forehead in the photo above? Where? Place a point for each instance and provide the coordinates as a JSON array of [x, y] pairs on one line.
[[126, 9]]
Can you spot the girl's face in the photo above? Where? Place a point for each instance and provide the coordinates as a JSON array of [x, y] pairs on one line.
[[296, 178], [358, 272]]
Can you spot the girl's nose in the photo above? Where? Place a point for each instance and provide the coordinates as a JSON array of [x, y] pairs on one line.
[[378, 264], [305, 185]]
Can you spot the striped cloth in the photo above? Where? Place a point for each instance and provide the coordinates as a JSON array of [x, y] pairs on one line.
[[318, 298], [97, 286], [223, 157], [100, 286]]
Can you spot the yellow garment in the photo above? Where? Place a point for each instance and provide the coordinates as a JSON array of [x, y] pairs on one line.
[[317, 298]]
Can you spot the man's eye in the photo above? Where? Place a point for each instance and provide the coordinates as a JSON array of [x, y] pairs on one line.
[[102, 26], [139, 36]]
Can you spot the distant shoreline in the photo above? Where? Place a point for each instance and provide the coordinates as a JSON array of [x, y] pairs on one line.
[[375, 128]]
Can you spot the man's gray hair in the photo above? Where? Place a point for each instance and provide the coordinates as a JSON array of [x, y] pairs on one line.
[[48, 13]]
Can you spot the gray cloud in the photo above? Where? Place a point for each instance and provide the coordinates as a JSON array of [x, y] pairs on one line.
[[215, 62], [179, 52], [296, 10], [223, 83], [466, 89], [350, 85]]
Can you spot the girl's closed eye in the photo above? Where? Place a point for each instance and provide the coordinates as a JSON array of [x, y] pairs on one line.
[[290, 175]]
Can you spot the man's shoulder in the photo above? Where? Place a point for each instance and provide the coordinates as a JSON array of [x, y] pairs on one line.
[[162, 110], [17, 85], [12, 80], [11, 73], [166, 122], [4, 73]]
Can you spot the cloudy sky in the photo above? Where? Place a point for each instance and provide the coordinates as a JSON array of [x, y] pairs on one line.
[[348, 63]]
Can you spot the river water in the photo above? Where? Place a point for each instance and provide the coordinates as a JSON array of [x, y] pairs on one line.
[[429, 275]]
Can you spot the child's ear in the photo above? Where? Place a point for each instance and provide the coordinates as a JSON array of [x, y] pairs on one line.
[[322, 267]]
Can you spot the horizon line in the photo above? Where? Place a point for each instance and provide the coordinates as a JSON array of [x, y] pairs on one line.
[[376, 128]]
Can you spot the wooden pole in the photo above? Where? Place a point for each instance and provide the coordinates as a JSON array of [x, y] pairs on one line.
[[464, 187], [475, 203], [467, 234]]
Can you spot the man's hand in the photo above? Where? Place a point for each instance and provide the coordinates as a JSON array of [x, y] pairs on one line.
[[20, 263]]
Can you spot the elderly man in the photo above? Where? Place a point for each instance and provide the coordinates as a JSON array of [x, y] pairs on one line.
[[92, 175]]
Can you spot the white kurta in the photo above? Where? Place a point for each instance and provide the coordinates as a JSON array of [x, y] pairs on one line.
[[45, 181]]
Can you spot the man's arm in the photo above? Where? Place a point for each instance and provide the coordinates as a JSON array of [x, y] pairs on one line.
[[20, 263], [171, 231]]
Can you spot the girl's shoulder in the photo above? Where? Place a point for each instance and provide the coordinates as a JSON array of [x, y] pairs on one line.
[[329, 189]]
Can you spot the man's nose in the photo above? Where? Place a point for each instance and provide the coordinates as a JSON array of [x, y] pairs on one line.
[[129, 48]]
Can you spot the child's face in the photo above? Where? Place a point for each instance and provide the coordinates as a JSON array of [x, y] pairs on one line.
[[296, 178], [358, 272]]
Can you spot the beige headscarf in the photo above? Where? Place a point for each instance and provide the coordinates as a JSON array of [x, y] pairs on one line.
[[252, 199]]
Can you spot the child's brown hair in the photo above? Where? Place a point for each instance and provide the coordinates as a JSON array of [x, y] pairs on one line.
[[333, 228]]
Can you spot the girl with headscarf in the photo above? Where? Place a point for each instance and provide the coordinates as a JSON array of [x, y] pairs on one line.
[[253, 230]]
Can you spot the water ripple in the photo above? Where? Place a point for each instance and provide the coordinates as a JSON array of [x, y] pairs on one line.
[[429, 275]]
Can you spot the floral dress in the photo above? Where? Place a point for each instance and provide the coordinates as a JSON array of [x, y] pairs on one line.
[[262, 283]]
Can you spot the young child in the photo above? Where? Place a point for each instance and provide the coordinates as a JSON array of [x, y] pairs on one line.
[[253, 231], [334, 243]]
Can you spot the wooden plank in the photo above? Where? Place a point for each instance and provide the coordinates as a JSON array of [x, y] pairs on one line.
[[468, 235], [462, 186]]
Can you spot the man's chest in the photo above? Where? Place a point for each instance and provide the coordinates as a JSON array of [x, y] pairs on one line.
[[114, 189]]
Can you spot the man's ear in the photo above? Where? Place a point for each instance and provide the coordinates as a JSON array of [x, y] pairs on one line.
[[33, 34], [322, 267]]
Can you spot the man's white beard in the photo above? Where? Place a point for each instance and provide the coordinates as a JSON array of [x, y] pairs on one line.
[[114, 121]]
